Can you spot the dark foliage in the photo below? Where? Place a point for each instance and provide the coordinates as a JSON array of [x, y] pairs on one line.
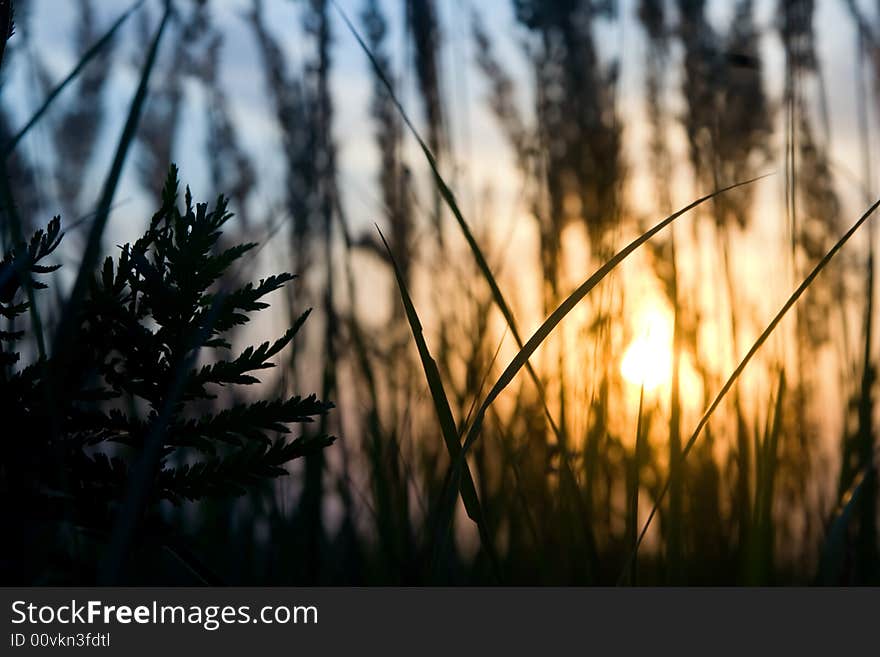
[[133, 382]]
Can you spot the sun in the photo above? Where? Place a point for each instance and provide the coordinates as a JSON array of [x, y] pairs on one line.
[[648, 358]]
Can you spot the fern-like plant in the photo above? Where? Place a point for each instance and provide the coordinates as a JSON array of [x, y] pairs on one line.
[[81, 430]]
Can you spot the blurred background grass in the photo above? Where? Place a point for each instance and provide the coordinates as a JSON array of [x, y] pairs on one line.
[[551, 134]]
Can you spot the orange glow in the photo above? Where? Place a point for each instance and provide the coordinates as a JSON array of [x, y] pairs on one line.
[[648, 358]]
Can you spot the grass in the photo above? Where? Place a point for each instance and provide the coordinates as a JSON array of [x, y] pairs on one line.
[[83, 61], [550, 478], [762, 338], [465, 482]]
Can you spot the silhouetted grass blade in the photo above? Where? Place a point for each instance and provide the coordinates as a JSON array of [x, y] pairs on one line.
[[87, 56], [449, 198], [752, 351], [444, 412], [569, 304], [93, 245], [560, 313]]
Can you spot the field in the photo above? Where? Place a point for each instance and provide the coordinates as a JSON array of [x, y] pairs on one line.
[[580, 293]]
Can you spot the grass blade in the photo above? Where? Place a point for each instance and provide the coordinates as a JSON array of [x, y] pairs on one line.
[[445, 191], [521, 358], [635, 471], [569, 303], [444, 413], [449, 198], [87, 56], [64, 334], [748, 357]]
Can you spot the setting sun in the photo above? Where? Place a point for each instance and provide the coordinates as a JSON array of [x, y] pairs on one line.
[[648, 358]]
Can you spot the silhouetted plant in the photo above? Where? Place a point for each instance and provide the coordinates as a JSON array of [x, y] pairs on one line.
[[133, 388]]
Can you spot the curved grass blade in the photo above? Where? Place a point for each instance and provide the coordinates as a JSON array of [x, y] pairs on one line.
[[573, 300], [444, 416], [556, 317], [87, 56], [449, 198], [64, 333], [445, 191], [748, 357]]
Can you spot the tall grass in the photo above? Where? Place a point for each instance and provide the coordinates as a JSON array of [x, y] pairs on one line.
[[554, 479]]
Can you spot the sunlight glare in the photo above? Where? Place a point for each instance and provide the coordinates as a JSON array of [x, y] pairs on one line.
[[648, 359]]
